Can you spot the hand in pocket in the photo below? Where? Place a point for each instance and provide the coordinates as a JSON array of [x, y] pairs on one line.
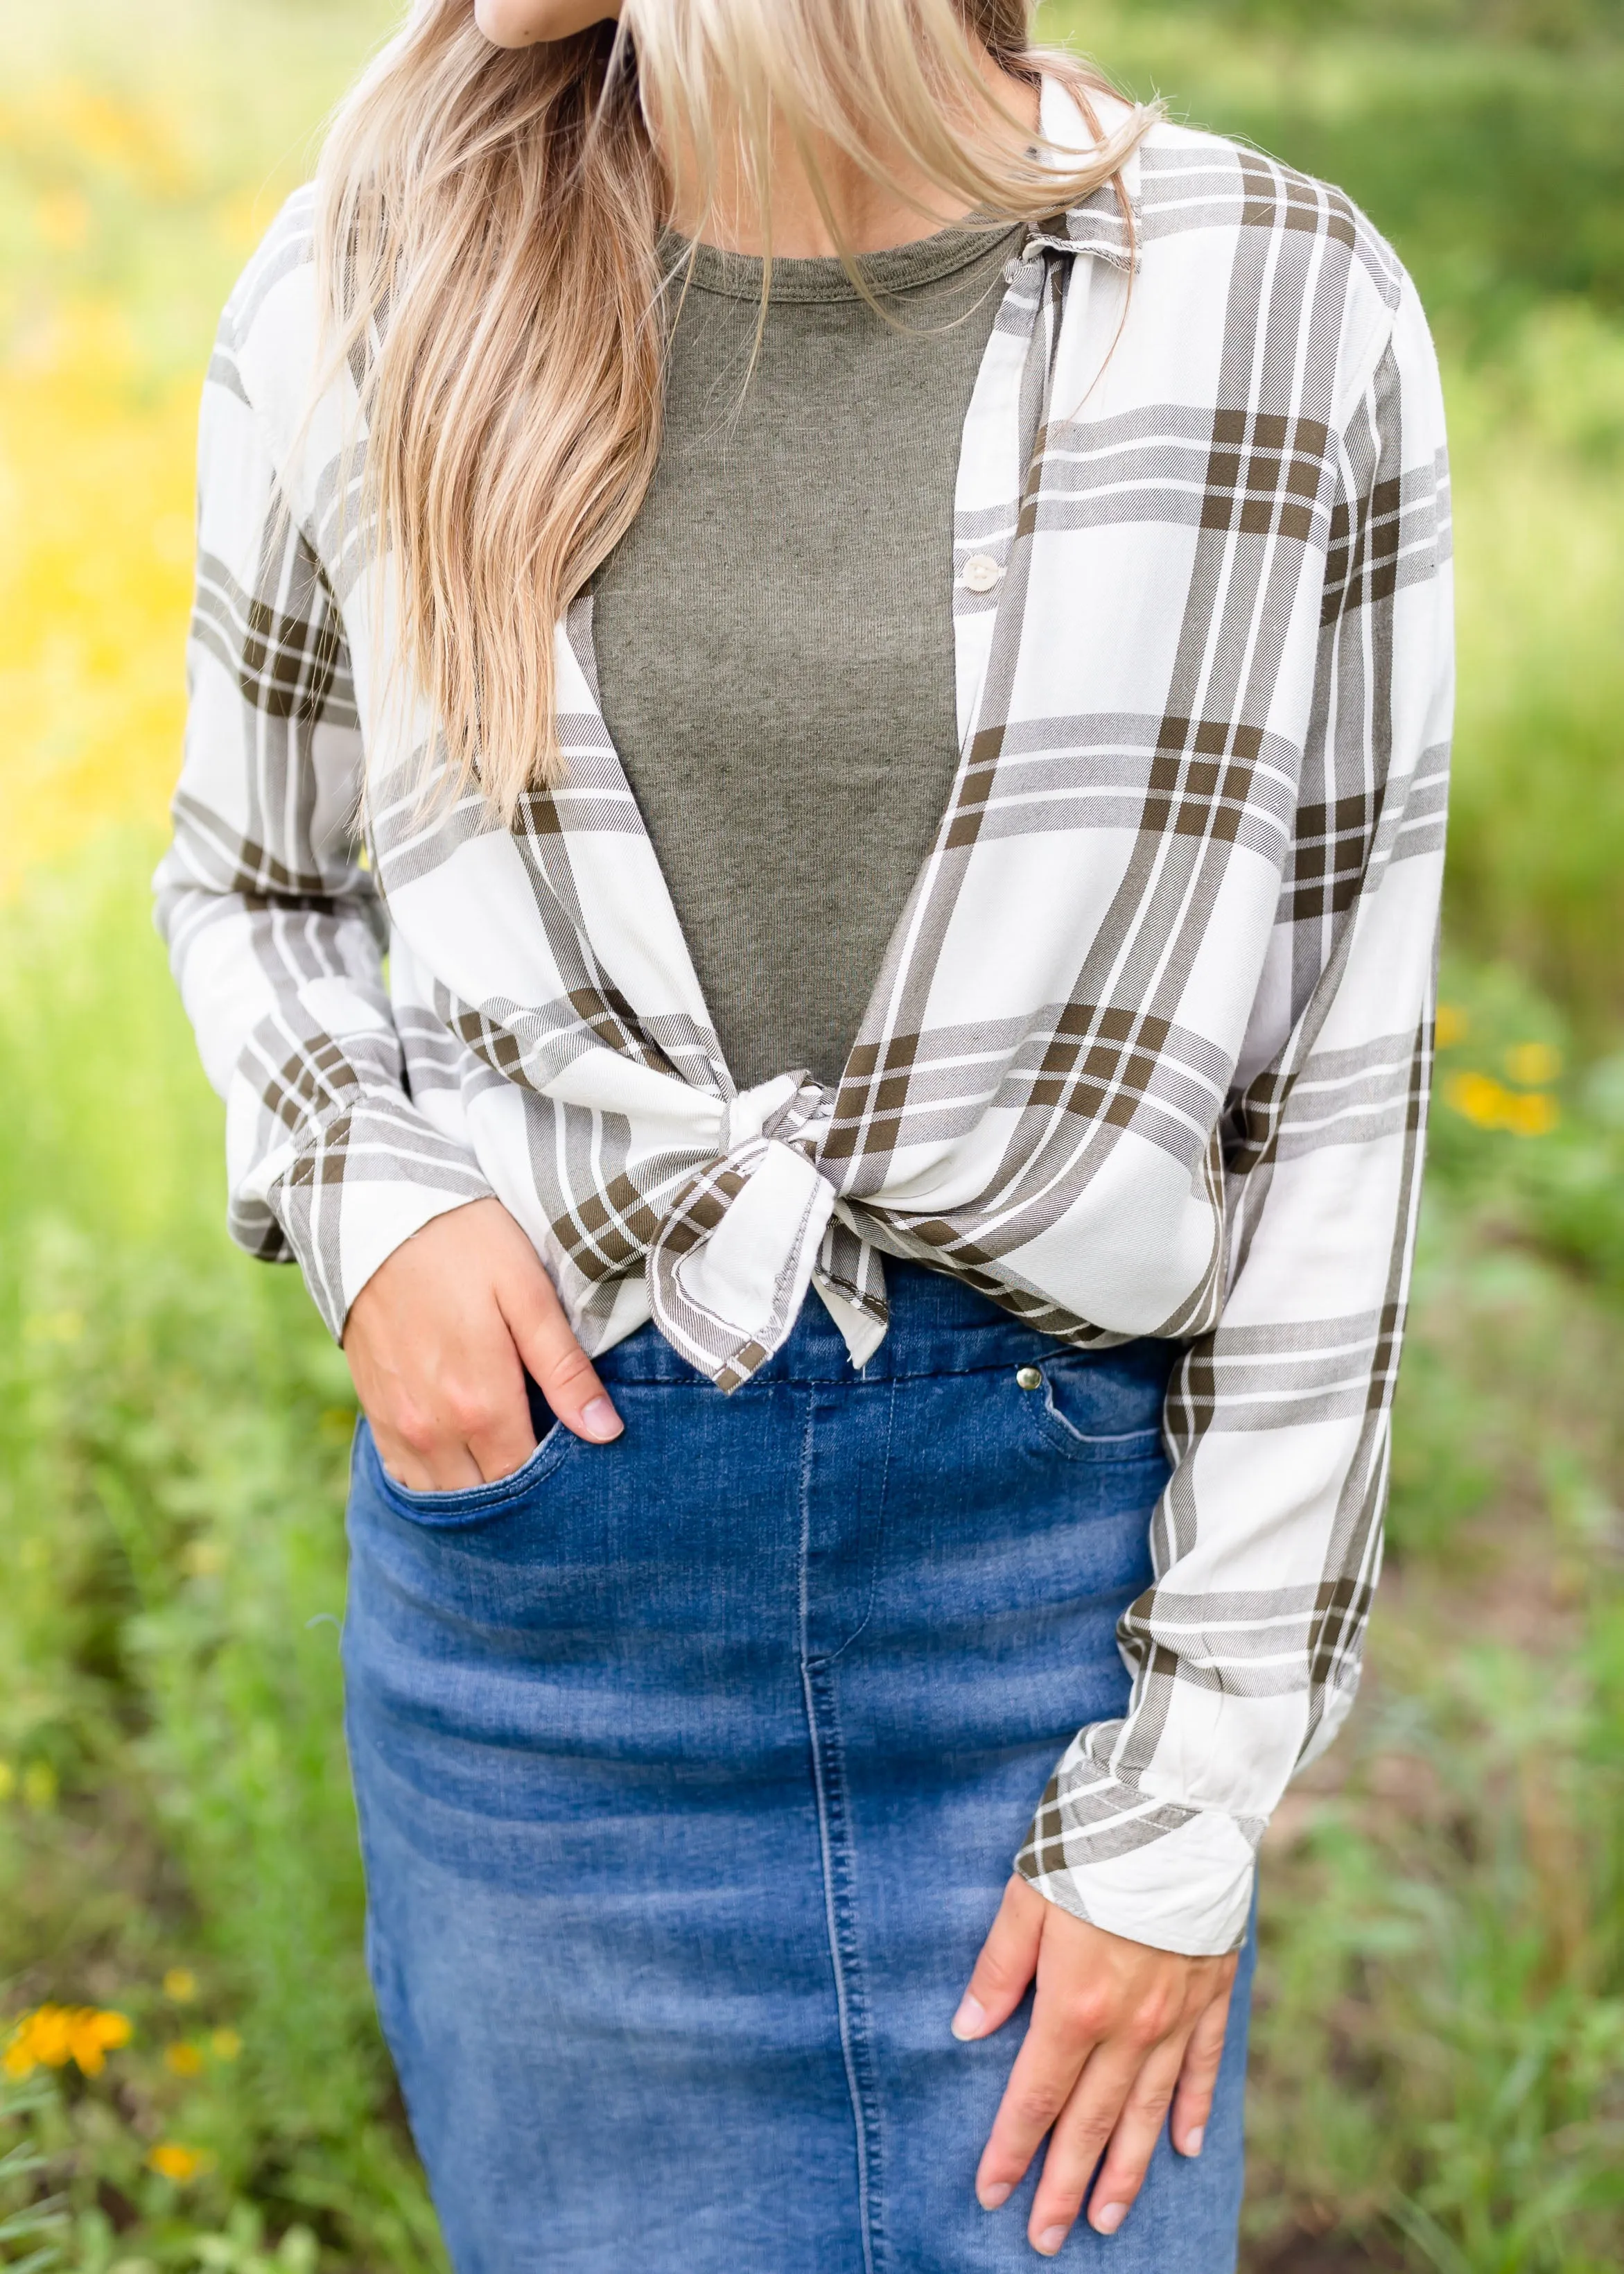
[[439, 1342]]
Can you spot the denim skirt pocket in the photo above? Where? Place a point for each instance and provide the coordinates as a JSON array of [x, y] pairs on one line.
[[471, 1504], [1089, 1408]]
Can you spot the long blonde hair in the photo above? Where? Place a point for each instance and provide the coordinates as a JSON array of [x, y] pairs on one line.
[[488, 226]]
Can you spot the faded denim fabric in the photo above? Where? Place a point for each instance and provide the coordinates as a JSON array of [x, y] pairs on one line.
[[691, 1770]]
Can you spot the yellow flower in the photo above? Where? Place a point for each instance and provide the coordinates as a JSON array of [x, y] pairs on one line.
[[1488, 1104], [53, 2036], [184, 2060], [8, 1779], [92, 2035], [1533, 1065], [226, 2044], [1453, 1024], [1477, 1097], [171, 2160], [181, 1983], [1534, 1114], [40, 2037]]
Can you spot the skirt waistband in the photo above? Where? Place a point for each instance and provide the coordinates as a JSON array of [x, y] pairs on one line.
[[938, 1325]]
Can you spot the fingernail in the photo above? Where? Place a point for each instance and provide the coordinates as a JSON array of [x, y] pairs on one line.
[[600, 1420], [970, 2020], [1050, 2239], [1192, 2140], [1109, 2218], [994, 2198]]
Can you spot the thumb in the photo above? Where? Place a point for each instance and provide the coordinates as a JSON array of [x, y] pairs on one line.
[[560, 1368], [1008, 1962]]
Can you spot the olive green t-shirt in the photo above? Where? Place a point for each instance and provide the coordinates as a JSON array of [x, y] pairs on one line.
[[774, 633]]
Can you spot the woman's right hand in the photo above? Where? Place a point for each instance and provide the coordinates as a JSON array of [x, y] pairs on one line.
[[439, 1341]]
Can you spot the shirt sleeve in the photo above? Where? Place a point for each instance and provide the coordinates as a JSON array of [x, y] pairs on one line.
[[1266, 1547], [274, 930]]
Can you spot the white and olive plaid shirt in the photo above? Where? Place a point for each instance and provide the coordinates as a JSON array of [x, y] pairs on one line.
[[1149, 1051]]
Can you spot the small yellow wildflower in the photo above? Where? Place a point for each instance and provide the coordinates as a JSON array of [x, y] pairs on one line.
[[53, 2036], [172, 2159], [40, 2037], [8, 1779], [1533, 1065], [1534, 1114], [1453, 1025], [94, 2033], [184, 2059], [181, 1983], [1488, 1104], [226, 2044], [1476, 1097]]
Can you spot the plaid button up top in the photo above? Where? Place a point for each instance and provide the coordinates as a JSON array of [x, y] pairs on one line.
[[1148, 1052]]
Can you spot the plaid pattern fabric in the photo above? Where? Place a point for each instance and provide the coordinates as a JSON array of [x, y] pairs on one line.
[[1149, 1050]]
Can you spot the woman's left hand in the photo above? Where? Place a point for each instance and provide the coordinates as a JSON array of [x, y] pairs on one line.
[[1119, 2032]]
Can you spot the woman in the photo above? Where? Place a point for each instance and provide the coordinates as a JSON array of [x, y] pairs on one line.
[[870, 628]]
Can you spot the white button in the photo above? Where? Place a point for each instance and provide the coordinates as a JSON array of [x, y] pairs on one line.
[[1027, 1377], [981, 572]]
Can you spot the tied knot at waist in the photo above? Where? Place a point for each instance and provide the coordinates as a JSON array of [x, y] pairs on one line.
[[751, 1230]]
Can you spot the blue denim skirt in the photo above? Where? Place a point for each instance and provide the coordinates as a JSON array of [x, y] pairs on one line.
[[690, 1769]]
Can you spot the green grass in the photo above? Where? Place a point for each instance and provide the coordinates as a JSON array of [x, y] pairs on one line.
[[175, 1439], [1441, 2048], [1439, 2071]]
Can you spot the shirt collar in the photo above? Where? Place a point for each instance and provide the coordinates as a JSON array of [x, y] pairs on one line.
[[1098, 225]]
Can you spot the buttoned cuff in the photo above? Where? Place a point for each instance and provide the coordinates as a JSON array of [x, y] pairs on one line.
[[1149, 1868]]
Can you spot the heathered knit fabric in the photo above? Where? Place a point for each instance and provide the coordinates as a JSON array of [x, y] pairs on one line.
[[774, 634]]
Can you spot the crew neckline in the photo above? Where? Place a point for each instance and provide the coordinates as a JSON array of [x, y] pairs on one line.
[[899, 269]]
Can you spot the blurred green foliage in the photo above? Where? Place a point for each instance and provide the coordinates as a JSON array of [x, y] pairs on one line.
[[1440, 2064], [1563, 25], [173, 1439], [1496, 165]]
